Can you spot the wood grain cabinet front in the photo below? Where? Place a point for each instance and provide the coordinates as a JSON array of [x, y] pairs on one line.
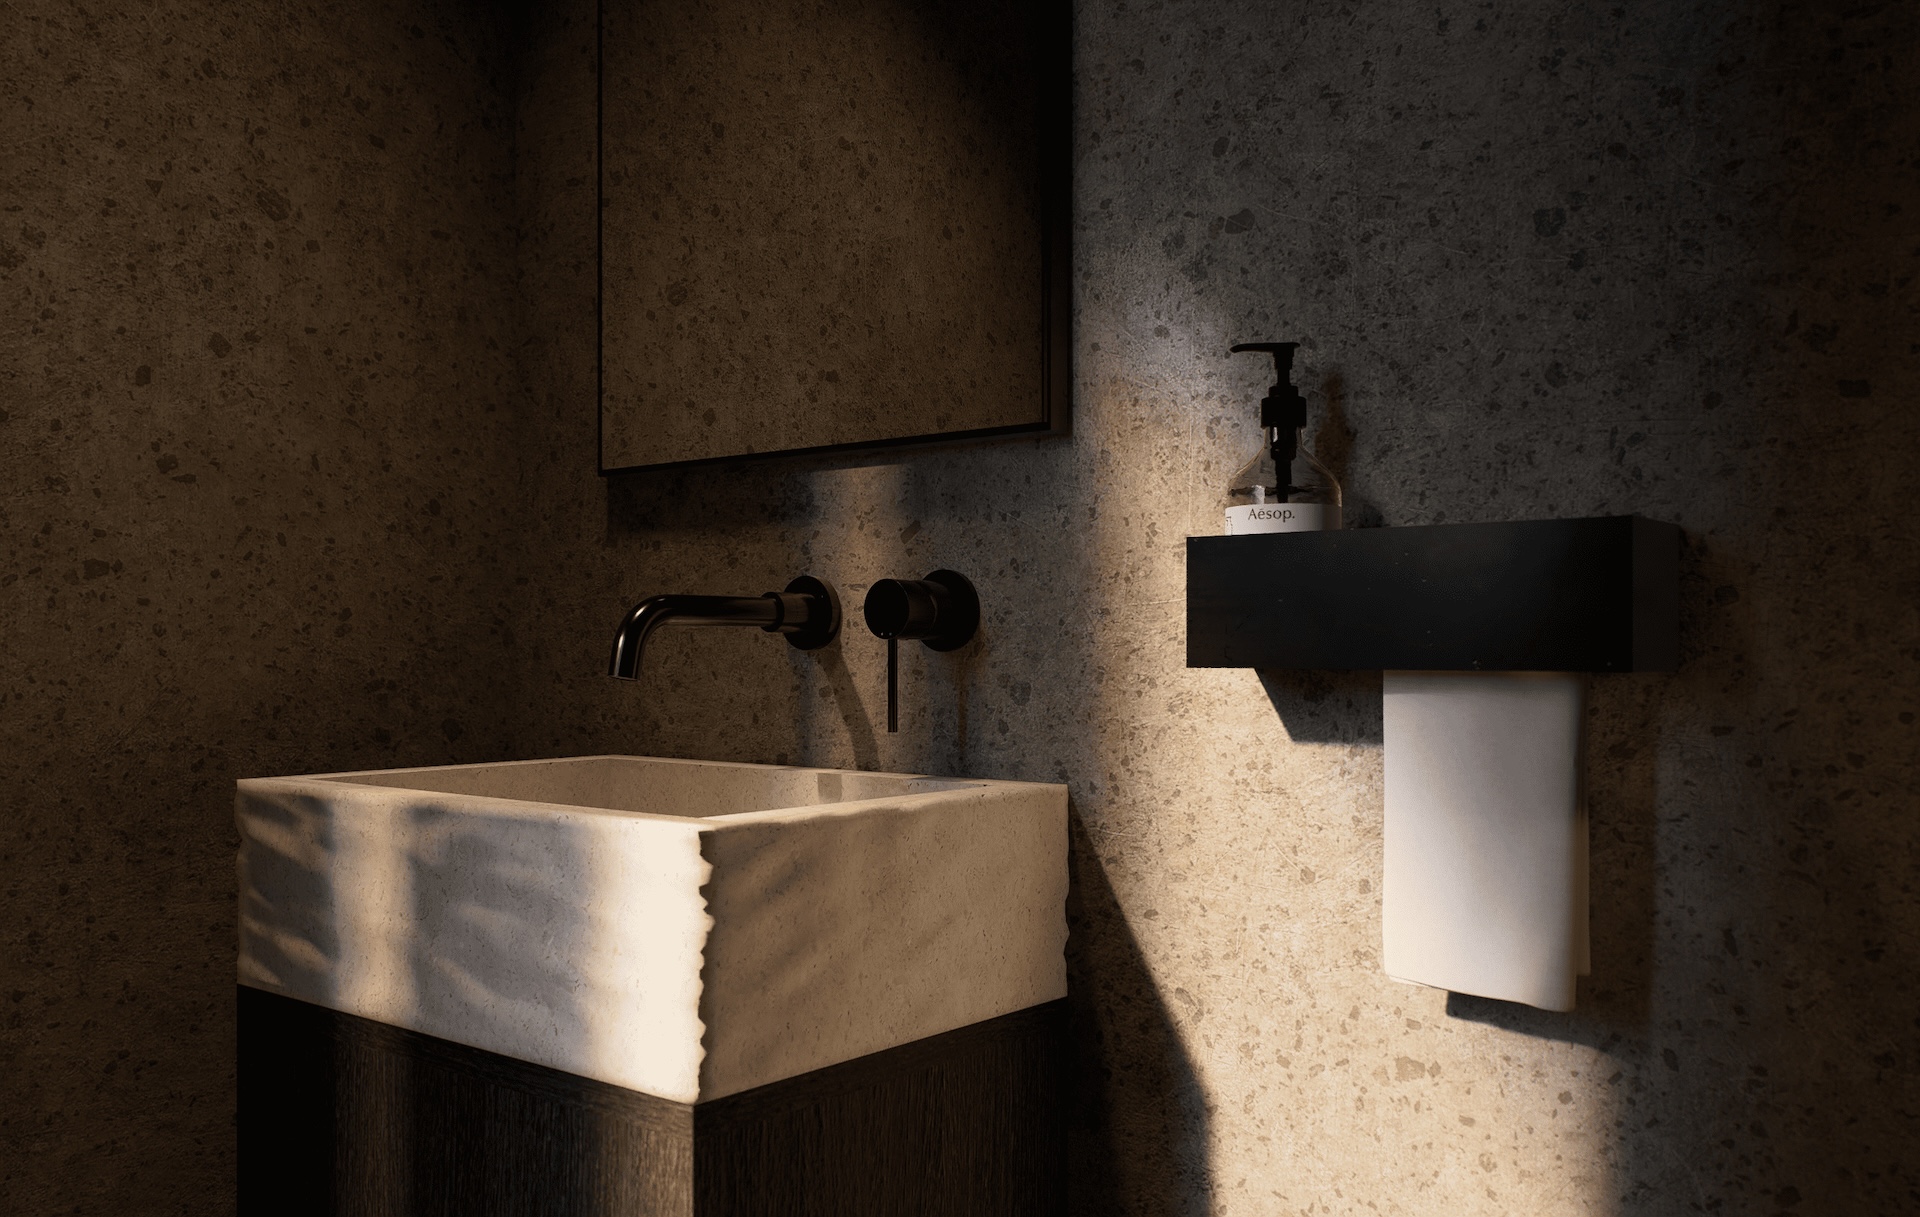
[[344, 1117]]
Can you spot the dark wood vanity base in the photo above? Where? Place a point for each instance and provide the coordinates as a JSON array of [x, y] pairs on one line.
[[339, 1115]]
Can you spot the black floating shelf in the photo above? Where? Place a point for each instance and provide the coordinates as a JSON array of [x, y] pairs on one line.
[[1594, 595]]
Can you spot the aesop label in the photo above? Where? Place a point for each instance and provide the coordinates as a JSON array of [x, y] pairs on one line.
[[1281, 517]]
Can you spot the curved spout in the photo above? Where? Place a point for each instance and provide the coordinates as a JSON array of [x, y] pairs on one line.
[[655, 611], [807, 613]]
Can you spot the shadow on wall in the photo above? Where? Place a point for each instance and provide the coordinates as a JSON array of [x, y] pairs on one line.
[[1333, 442], [1622, 797], [1326, 707], [714, 500], [846, 699], [1138, 1131], [1753, 836]]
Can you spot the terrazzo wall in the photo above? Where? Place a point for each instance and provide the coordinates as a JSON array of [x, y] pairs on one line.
[[1547, 259], [257, 461]]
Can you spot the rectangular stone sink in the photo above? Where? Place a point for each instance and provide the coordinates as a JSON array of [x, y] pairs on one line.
[[688, 929]]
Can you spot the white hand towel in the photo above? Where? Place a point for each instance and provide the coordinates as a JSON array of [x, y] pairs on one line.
[[1485, 889]]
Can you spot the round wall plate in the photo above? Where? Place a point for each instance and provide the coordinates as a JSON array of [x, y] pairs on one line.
[[962, 617], [815, 635]]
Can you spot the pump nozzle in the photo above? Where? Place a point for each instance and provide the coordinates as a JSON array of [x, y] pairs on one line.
[[1283, 411]]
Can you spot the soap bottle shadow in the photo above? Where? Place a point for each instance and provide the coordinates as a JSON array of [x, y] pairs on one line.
[[1333, 442]]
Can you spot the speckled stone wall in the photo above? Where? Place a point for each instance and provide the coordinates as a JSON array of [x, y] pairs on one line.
[[258, 514], [1556, 259], [1548, 260]]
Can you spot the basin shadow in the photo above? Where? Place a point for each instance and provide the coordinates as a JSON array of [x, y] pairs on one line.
[[500, 929], [500, 924], [1137, 1124], [287, 838]]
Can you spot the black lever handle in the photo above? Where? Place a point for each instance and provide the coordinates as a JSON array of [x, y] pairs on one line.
[[941, 610]]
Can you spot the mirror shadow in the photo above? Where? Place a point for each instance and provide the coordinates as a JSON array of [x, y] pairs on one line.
[[716, 499]]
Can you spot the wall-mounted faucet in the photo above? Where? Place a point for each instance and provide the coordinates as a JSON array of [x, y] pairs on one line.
[[941, 610], [807, 612]]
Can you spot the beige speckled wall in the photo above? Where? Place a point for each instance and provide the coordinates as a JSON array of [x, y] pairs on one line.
[[1548, 259]]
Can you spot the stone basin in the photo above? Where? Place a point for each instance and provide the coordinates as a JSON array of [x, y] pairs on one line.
[[688, 929]]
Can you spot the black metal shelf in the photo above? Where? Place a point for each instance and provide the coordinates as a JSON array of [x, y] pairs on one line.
[[1592, 595]]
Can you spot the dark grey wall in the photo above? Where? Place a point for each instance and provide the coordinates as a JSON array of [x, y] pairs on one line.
[[255, 404], [1549, 259]]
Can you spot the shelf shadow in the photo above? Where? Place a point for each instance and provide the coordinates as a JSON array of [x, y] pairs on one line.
[[1325, 707]]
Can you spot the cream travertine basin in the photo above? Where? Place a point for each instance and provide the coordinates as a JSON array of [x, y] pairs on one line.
[[689, 929]]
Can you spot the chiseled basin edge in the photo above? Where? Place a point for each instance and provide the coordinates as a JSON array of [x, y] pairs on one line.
[[686, 956]]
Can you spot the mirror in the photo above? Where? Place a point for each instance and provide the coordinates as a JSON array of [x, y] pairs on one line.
[[830, 225]]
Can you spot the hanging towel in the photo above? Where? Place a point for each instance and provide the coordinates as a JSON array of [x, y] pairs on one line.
[[1485, 889]]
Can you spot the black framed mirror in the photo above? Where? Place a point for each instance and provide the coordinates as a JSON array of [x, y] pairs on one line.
[[830, 225]]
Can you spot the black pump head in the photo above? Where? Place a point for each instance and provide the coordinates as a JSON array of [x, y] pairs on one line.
[[1282, 353], [1283, 406], [1283, 410]]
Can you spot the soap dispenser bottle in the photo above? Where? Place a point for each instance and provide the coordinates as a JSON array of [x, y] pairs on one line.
[[1284, 488]]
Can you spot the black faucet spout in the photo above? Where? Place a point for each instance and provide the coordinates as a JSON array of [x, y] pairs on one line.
[[807, 612]]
